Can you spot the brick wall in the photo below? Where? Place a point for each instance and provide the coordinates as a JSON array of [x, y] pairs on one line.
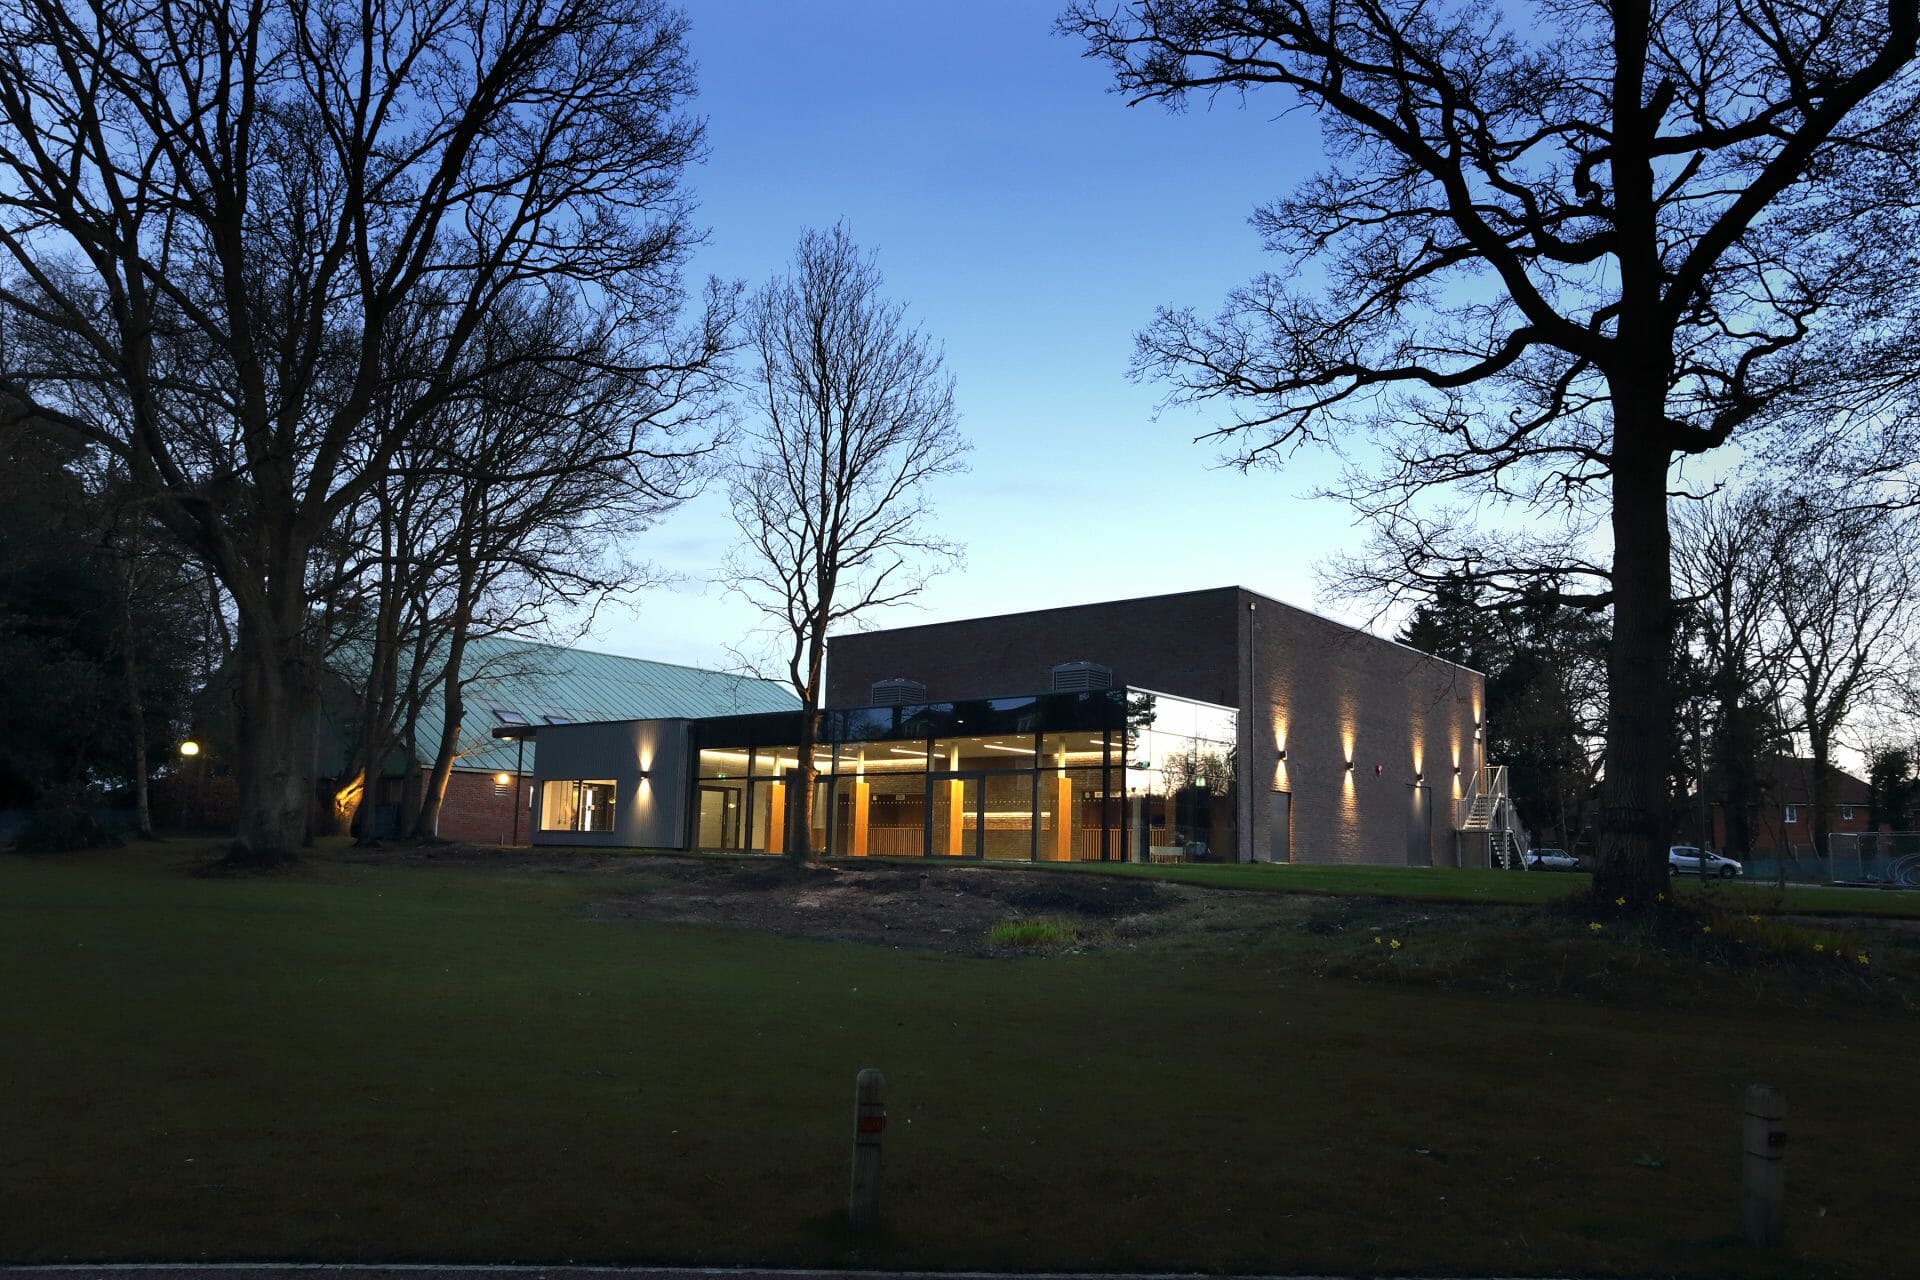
[[477, 811], [1179, 644], [1328, 694]]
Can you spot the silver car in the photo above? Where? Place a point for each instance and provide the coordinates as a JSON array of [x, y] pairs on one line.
[[1552, 860], [1684, 859]]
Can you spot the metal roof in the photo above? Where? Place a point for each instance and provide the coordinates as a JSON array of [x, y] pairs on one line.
[[547, 684]]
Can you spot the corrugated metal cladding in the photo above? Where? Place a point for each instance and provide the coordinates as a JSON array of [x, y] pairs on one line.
[[547, 684]]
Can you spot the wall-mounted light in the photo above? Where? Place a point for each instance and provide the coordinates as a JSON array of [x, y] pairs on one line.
[[1283, 753], [1378, 769], [1349, 766], [502, 779], [1419, 777], [1456, 771]]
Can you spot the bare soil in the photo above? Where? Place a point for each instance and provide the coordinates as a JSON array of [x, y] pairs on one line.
[[945, 907]]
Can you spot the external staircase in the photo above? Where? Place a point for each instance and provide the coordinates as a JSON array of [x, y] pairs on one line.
[[1487, 820]]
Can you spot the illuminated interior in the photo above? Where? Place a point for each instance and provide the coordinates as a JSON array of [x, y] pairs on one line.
[[1103, 775], [573, 804]]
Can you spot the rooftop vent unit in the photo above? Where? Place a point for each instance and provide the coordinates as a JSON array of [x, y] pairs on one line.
[[1072, 677], [898, 692]]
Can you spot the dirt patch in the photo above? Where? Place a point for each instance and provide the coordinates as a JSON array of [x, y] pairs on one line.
[[942, 906], [949, 908]]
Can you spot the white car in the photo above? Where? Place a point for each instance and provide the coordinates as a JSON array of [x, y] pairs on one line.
[[1684, 859], [1552, 860]]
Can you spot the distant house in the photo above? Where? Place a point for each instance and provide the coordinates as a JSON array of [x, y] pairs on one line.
[[1783, 812], [518, 683]]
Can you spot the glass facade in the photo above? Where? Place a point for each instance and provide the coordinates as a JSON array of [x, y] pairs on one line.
[[1106, 775], [576, 805]]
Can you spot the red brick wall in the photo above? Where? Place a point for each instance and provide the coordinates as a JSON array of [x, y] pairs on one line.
[[476, 811]]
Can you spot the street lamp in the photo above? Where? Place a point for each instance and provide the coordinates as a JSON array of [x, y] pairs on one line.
[[190, 750]]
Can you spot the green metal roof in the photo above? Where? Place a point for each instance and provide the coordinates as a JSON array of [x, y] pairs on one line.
[[543, 683]]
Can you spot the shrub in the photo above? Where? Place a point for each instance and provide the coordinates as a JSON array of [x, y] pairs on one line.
[[1033, 933], [61, 828]]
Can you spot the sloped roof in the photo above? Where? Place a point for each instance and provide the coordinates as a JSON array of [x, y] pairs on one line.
[[544, 683], [1789, 780]]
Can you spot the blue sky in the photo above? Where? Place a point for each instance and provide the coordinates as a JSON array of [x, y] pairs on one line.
[[1032, 221]]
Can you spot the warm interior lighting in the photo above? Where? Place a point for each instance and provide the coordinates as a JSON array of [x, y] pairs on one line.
[[189, 748], [994, 746]]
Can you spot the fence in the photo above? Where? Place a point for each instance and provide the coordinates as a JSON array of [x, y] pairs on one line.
[[1875, 858]]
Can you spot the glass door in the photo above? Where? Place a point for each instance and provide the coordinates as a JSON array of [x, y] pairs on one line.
[[955, 820]]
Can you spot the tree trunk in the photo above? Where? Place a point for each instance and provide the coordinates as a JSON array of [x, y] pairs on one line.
[[1821, 790], [1632, 821], [1736, 774], [273, 754], [799, 836], [136, 709], [453, 707], [376, 732]]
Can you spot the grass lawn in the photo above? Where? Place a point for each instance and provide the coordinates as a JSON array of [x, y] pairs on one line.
[[360, 1062], [1513, 888]]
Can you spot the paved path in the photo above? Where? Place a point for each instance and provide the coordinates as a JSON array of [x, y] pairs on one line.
[[325, 1271]]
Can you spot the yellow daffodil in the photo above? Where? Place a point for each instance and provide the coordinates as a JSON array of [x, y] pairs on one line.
[[1619, 902], [1594, 925], [1395, 944]]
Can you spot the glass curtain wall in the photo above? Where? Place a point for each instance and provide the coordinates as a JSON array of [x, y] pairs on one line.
[[1043, 778], [1180, 783]]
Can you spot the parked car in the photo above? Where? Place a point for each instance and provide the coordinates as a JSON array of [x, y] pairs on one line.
[[1684, 859], [1552, 860]]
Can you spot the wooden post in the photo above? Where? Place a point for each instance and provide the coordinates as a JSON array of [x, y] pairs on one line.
[[869, 1122], [1763, 1169]]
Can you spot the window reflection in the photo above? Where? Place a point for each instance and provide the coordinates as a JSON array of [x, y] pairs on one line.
[[1180, 783]]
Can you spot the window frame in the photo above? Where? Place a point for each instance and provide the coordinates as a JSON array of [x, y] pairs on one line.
[[576, 808]]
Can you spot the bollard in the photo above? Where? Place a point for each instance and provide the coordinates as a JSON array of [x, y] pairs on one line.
[[1763, 1168], [869, 1123]]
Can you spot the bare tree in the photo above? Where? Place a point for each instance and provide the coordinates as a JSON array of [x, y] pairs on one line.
[[231, 204], [1845, 610], [1727, 575], [1545, 265], [853, 415], [549, 469]]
